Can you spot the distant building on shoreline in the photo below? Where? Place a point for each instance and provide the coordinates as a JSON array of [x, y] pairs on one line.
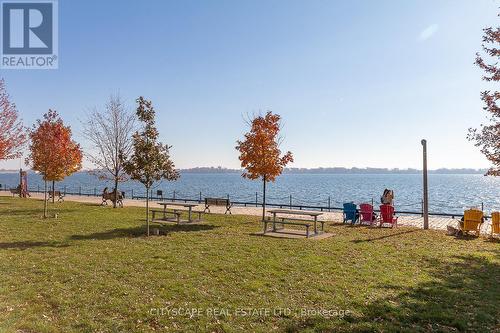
[[332, 170]]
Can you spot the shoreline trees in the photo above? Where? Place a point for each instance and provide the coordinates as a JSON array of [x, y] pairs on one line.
[[12, 132], [53, 153], [150, 160], [487, 137], [260, 152], [109, 132]]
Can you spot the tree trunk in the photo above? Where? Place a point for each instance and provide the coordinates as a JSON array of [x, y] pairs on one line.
[[147, 210], [116, 192], [53, 191], [20, 183], [45, 201], [264, 200]]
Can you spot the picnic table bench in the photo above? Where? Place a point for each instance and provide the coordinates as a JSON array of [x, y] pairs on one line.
[[176, 212], [282, 216], [15, 191], [218, 202], [57, 194]]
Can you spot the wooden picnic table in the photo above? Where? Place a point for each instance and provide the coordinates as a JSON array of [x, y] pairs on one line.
[[276, 212], [187, 205]]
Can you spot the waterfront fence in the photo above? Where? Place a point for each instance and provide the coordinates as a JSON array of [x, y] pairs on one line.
[[326, 204]]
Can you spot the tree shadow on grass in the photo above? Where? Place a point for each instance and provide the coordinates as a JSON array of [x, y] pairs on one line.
[[28, 245], [383, 237], [38, 212], [466, 237], [99, 204], [492, 240], [347, 225], [461, 295], [141, 231], [338, 224], [166, 229]]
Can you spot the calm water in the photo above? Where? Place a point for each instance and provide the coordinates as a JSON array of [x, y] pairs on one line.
[[448, 193]]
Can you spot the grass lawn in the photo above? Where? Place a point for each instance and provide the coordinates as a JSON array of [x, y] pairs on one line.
[[92, 270]]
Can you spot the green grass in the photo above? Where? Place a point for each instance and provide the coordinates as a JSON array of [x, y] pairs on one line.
[[92, 270]]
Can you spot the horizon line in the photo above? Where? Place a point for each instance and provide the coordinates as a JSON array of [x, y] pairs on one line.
[[221, 168]]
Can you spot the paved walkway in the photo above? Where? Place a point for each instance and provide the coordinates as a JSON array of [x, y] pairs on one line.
[[438, 223]]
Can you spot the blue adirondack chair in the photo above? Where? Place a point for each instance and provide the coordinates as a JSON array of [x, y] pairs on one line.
[[350, 212]]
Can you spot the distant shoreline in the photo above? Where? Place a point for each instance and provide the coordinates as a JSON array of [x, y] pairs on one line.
[[334, 170]]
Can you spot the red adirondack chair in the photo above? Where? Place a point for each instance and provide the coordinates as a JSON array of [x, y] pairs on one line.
[[387, 216], [367, 216]]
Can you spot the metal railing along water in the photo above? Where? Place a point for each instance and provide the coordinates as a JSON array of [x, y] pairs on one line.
[[250, 200]]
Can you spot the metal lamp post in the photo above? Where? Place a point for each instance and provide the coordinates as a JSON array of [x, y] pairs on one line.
[[426, 193]]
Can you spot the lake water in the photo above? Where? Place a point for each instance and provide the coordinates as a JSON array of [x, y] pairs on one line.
[[447, 193]]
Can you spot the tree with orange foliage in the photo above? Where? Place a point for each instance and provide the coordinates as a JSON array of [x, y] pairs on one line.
[[53, 153], [487, 137], [12, 134], [260, 153]]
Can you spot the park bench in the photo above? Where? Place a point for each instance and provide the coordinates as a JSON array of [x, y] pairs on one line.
[[218, 202], [111, 196], [15, 191], [57, 194], [176, 215], [200, 213]]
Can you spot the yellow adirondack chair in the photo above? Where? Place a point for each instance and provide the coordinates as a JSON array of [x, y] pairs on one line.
[[495, 223], [473, 218]]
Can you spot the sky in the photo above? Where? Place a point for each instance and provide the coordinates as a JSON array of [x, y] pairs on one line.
[[357, 83]]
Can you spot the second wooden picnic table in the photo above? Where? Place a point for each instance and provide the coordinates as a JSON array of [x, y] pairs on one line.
[[284, 212], [187, 205]]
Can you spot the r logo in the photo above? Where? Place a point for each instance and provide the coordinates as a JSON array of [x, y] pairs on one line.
[[27, 28]]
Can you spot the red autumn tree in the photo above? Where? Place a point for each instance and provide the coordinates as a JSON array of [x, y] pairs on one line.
[[53, 153], [260, 152], [12, 136], [487, 137]]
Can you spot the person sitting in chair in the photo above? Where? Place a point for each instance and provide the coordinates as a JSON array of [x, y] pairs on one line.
[[387, 197]]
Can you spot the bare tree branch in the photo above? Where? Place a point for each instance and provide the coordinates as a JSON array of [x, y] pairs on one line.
[[109, 132]]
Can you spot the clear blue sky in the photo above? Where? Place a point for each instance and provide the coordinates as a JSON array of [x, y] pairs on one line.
[[358, 83]]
